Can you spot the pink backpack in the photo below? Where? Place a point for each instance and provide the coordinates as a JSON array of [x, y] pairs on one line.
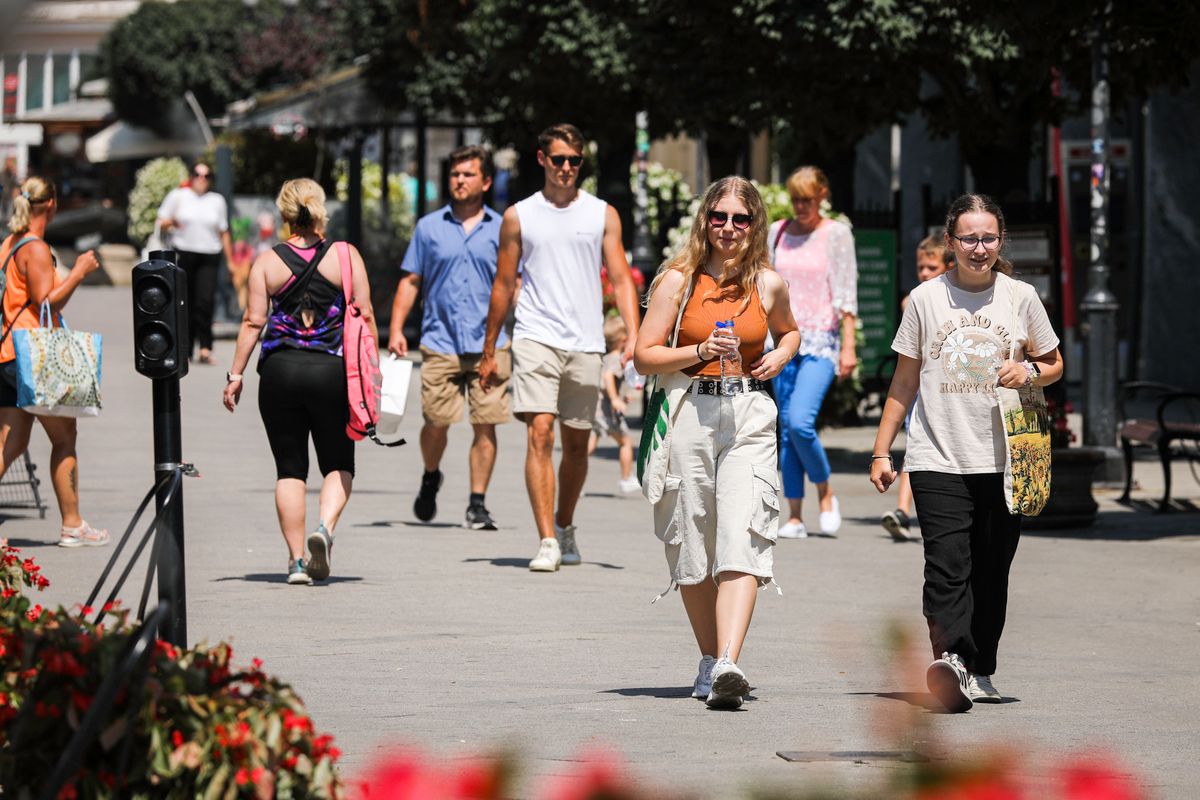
[[364, 381]]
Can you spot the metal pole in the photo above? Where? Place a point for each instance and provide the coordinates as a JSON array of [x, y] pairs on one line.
[[1099, 305], [643, 257], [168, 450]]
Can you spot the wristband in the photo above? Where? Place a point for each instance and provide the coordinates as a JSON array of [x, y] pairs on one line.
[[230, 377], [699, 355]]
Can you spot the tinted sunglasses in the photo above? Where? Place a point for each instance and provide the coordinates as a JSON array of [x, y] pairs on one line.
[[199, 174], [558, 161], [740, 221]]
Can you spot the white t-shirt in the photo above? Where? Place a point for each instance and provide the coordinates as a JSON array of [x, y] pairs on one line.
[[562, 303], [201, 218], [961, 339]]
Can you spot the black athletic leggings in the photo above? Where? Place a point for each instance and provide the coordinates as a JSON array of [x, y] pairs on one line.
[[202, 272], [300, 393]]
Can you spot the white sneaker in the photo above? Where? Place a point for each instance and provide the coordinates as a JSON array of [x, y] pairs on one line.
[[831, 520], [566, 542], [548, 557], [793, 530], [702, 687], [981, 689], [629, 485], [729, 686], [947, 680]]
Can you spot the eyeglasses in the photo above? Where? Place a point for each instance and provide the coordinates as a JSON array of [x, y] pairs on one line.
[[990, 242], [740, 221], [558, 161], [198, 174]]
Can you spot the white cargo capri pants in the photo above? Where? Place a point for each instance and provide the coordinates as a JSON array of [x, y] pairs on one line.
[[720, 506]]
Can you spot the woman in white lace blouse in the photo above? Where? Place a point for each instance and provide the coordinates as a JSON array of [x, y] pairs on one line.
[[815, 256]]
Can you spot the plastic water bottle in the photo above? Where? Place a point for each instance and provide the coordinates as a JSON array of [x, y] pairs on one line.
[[731, 365], [634, 379]]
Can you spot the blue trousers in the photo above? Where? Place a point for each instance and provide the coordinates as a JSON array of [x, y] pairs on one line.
[[799, 390]]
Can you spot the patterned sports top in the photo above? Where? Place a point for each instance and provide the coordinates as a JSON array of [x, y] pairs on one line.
[[315, 295]]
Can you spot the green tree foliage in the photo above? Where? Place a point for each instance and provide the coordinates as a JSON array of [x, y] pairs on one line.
[[219, 49]]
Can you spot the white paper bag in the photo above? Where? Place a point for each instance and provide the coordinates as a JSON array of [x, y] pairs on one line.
[[397, 373]]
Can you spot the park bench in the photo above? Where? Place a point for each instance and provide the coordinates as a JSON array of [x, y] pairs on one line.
[[1173, 429]]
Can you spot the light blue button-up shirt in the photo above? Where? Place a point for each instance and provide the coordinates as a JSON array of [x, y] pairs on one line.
[[457, 271]]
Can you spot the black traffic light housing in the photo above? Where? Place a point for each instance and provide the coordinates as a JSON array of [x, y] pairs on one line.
[[160, 332]]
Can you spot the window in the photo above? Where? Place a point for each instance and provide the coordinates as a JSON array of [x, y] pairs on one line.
[[35, 80], [62, 78]]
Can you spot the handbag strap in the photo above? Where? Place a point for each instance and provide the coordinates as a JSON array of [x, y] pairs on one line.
[[779, 237], [4, 269], [672, 342]]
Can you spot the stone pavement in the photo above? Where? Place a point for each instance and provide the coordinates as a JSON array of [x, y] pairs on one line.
[[440, 637]]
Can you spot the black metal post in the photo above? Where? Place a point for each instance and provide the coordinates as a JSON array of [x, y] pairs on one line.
[[168, 451], [643, 257]]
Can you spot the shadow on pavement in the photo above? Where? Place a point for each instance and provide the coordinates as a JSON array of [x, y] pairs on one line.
[[1127, 526], [279, 577], [923, 700], [523, 563], [406, 523], [26, 543], [661, 692]]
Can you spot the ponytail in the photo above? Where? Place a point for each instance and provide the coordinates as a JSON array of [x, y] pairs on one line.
[[34, 191]]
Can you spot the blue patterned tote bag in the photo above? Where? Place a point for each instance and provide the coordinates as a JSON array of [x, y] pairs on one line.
[[58, 369]]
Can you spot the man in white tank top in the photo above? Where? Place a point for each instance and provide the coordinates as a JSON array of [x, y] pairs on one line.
[[557, 239]]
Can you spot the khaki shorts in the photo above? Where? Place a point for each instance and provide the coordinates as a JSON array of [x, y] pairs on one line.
[[444, 378], [547, 380], [720, 506]]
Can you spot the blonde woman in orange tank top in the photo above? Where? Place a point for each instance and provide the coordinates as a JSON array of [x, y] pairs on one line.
[[718, 513], [30, 280]]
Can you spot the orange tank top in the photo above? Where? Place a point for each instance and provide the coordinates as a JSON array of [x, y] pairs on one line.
[[710, 304], [16, 294]]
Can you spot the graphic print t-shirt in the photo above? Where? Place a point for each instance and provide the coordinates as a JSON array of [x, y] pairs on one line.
[[961, 339]]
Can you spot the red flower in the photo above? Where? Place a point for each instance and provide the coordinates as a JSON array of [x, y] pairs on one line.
[[243, 776], [177, 738], [42, 583], [33, 613], [8, 592], [81, 701], [1094, 780]]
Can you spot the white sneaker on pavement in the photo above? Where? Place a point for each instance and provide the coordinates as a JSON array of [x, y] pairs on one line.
[[981, 689], [548, 557], [567, 545], [702, 687], [793, 530], [831, 520], [729, 686], [947, 680], [629, 485]]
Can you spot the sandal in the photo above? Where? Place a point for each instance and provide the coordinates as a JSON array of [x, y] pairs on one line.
[[206, 357], [83, 536]]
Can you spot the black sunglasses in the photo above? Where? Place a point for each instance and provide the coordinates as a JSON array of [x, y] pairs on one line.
[[198, 174], [740, 221], [558, 161]]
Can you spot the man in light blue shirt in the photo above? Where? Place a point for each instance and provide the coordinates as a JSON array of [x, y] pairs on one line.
[[453, 253]]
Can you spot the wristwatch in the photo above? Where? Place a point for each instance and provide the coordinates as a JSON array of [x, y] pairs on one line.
[[231, 377], [1033, 371]]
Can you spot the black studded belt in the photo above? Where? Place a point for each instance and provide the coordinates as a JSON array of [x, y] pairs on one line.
[[738, 387]]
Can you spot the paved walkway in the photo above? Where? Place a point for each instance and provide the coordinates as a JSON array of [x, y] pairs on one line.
[[438, 636]]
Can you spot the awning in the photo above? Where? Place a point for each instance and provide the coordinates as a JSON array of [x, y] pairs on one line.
[[121, 142]]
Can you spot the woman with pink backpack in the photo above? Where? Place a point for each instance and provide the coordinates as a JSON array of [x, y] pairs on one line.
[[305, 296]]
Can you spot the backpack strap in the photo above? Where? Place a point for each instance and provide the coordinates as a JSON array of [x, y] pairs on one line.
[[302, 271], [343, 251], [4, 271]]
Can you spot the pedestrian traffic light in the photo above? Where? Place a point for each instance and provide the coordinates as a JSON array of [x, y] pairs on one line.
[[160, 334]]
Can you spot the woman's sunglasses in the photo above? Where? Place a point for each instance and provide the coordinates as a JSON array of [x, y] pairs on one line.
[[740, 221], [198, 174], [558, 161]]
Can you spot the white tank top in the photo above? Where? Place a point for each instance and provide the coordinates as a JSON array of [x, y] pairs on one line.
[[561, 302]]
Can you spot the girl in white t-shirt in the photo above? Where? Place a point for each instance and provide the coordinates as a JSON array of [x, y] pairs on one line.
[[962, 334]]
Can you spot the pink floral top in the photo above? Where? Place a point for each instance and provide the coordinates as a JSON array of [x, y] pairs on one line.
[[822, 276]]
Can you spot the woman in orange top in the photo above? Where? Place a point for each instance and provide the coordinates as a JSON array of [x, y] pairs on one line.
[[30, 279], [717, 507]]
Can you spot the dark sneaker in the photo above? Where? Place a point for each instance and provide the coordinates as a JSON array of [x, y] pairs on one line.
[[947, 679], [425, 506], [897, 524], [296, 574], [320, 551], [479, 519]]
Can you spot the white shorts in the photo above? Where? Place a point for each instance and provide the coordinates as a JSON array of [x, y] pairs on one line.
[[720, 506]]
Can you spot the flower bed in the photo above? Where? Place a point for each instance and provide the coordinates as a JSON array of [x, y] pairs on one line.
[[199, 726]]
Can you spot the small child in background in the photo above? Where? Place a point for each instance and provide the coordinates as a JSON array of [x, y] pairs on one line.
[[610, 412], [932, 260]]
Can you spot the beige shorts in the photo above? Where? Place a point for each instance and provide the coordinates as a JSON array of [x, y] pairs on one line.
[[444, 377], [720, 506], [547, 380]]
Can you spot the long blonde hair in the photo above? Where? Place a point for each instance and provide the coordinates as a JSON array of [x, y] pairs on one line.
[[34, 191], [747, 264]]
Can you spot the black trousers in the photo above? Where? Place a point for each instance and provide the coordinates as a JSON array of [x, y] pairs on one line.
[[202, 270], [970, 540], [303, 394]]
